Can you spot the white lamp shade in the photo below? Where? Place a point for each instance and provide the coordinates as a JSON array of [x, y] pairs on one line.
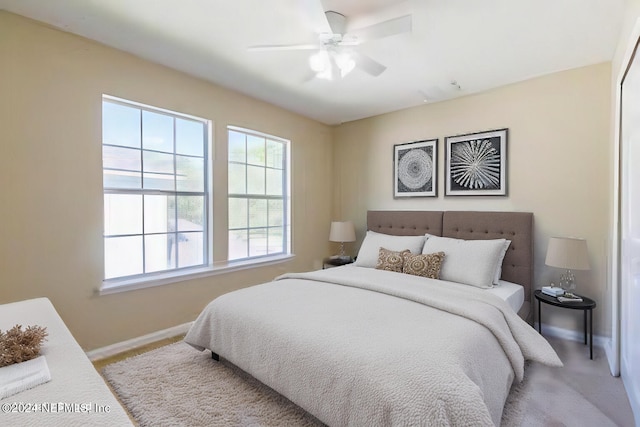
[[567, 252], [342, 231]]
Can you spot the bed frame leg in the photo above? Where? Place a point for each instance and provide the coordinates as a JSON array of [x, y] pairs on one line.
[[215, 356]]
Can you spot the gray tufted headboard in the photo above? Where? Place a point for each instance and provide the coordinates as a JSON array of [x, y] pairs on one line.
[[517, 266]]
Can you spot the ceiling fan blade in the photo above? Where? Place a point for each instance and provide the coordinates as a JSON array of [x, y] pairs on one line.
[[367, 64], [313, 11], [267, 47], [337, 22], [384, 29]]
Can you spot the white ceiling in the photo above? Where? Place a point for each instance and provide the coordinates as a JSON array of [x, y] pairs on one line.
[[480, 44]]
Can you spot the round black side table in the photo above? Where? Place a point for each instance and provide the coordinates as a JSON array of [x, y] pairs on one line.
[[335, 262], [587, 304]]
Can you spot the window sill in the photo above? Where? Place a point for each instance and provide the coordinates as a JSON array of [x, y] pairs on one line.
[[117, 286]]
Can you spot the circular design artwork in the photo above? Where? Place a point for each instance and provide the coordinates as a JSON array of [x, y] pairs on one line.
[[475, 164], [415, 169]]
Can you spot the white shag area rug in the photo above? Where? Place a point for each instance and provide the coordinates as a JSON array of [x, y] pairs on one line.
[[176, 385]]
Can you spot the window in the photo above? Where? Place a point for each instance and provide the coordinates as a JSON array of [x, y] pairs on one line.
[[155, 189], [258, 195]]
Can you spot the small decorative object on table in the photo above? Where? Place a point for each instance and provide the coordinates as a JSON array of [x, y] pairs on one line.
[[18, 346], [569, 297]]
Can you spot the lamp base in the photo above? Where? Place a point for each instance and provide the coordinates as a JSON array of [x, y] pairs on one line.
[[568, 281]]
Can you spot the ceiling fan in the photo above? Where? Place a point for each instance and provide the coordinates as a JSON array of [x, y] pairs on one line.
[[336, 47]]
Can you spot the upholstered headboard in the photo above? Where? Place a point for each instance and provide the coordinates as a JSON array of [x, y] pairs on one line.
[[517, 266]]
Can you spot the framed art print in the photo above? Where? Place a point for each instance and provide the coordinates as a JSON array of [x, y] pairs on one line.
[[414, 169], [476, 164]]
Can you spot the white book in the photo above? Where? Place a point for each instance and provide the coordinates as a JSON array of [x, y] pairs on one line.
[[553, 291]]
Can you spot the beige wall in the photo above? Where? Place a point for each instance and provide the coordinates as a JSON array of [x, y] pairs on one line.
[[51, 85], [51, 204], [558, 165]]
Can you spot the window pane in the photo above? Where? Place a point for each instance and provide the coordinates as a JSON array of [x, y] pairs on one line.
[[255, 150], [121, 179], [190, 173], [159, 214], [237, 179], [122, 256], [121, 167], [257, 213], [157, 162], [255, 180], [159, 171], [237, 244], [274, 182], [275, 241], [156, 181], [275, 154], [122, 214], [190, 213], [159, 252], [121, 158], [190, 251], [157, 131], [120, 125], [258, 242], [237, 213], [276, 213], [190, 137], [237, 149]]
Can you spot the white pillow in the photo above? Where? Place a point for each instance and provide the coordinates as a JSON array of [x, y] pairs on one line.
[[496, 278], [368, 254], [472, 262]]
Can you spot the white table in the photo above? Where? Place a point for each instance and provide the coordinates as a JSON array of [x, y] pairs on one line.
[[76, 394]]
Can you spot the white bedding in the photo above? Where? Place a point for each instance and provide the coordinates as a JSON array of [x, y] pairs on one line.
[[359, 346], [510, 292]]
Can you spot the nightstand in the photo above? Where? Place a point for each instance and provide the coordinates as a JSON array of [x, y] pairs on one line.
[[335, 262], [587, 304]]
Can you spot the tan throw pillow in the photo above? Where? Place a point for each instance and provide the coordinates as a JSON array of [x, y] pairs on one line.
[[426, 265], [391, 260]]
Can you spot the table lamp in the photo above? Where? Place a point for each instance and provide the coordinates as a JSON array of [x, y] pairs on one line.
[[342, 231], [568, 253]]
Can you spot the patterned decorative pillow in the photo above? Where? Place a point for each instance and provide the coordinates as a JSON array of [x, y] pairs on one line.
[[391, 260], [426, 265]]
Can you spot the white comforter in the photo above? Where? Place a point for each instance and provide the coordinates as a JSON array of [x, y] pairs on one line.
[[363, 347]]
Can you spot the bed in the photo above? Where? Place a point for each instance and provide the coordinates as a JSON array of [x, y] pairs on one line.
[[356, 345]]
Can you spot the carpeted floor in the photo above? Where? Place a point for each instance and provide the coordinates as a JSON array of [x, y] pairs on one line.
[[176, 385]]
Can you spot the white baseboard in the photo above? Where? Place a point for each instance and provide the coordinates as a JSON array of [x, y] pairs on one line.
[[568, 334], [113, 349]]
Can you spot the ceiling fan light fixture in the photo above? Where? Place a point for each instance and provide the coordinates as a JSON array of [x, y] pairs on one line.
[[345, 63], [320, 61]]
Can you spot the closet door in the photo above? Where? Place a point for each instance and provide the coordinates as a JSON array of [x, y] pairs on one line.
[[630, 228]]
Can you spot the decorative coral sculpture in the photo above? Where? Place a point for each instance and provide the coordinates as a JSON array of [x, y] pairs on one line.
[[18, 346]]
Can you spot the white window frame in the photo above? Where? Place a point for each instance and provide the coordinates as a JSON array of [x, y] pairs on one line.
[[286, 197], [177, 273]]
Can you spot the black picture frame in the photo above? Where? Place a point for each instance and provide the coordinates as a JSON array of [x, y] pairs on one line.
[[415, 169], [476, 164]]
